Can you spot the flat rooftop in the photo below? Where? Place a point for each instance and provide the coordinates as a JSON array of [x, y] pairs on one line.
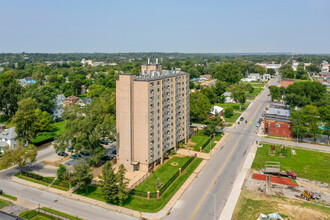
[[274, 117], [156, 75]]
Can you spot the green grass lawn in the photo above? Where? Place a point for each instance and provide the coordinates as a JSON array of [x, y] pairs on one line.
[[164, 173], [61, 213], [233, 118], [58, 127], [312, 165], [217, 137], [255, 93], [57, 184], [142, 204], [9, 196], [235, 106], [200, 138], [4, 203], [257, 84]]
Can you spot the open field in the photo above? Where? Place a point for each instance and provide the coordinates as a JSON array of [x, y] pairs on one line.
[[233, 118], [255, 93], [143, 204], [251, 204], [235, 106], [308, 164], [44, 136], [201, 139]]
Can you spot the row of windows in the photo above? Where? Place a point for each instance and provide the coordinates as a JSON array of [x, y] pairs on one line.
[[278, 125]]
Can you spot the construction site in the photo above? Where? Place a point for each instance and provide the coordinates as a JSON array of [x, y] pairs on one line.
[[275, 191]]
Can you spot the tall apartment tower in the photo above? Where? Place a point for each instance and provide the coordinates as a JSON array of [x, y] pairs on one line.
[[147, 68], [152, 117]]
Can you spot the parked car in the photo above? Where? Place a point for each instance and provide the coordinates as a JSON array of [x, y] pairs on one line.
[[114, 151], [75, 156], [63, 154], [104, 142], [1, 192], [241, 119], [106, 157], [85, 152]]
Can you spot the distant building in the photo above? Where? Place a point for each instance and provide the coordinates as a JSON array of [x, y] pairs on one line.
[[26, 81], [8, 137], [216, 110], [58, 107], [205, 77], [252, 77], [70, 101], [286, 82], [266, 76], [228, 98], [324, 66], [208, 83], [277, 121]]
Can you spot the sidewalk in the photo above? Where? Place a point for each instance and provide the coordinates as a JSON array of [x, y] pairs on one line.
[[229, 208]]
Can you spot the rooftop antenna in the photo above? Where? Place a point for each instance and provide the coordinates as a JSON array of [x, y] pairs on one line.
[[156, 60], [148, 60]]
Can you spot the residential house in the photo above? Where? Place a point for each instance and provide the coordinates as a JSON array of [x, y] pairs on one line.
[[228, 98], [26, 81], [266, 77], [208, 83], [7, 137], [58, 107], [70, 101], [277, 121], [325, 66], [252, 77], [216, 110], [286, 82], [205, 77]]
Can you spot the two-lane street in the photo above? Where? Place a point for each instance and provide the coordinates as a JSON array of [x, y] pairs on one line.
[[214, 183]]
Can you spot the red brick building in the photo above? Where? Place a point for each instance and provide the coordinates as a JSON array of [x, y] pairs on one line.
[[286, 82], [277, 125]]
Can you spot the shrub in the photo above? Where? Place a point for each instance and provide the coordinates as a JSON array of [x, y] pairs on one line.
[[229, 112]]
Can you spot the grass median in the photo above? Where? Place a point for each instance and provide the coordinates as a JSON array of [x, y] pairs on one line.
[[9, 196], [4, 203], [143, 204]]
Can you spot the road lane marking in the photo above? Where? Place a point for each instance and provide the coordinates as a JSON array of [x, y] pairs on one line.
[[213, 182]]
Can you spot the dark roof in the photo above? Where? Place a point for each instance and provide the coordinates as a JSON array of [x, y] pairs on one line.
[[277, 118]]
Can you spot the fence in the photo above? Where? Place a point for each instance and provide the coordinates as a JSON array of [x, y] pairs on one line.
[[140, 180], [153, 195], [47, 214]]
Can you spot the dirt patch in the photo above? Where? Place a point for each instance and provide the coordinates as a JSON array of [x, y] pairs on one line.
[[174, 164], [302, 213], [191, 143]]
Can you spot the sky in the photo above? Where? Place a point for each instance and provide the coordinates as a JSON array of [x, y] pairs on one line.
[[186, 26]]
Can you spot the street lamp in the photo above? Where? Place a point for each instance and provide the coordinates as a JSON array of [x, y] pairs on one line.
[[215, 201]]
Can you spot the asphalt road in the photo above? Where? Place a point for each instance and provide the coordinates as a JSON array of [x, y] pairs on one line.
[[207, 195]]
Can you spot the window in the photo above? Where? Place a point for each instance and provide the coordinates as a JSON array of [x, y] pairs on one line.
[[157, 82], [152, 84], [278, 125], [157, 110], [151, 91], [268, 124], [158, 104], [158, 90]]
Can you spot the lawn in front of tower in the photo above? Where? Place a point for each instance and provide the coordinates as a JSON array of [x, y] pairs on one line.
[[163, 174], [144, 204], [201, 139]]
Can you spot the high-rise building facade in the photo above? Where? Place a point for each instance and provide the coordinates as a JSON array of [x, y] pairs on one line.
[[152, 117]]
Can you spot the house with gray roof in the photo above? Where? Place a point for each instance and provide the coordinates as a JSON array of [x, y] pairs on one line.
[[8, 137]]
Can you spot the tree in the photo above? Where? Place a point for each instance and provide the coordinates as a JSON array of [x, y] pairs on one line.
[[238, 94], [228, 72], [82, 174], [10, 91], [271, 71], [122, 184], [260, 69], [229, 112], [304, 93], [44, 121], [212, 124], [324, 112], [61, 171], [275, 93], [312, 119], [20, 154], [287, 71], [313, 68], [25, 119], [208, 92], [44, 95], [220, 88], [108, 183], [199, 105]]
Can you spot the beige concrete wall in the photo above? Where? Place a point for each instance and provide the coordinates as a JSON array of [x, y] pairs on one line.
[[124, 109], [141, 122]]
